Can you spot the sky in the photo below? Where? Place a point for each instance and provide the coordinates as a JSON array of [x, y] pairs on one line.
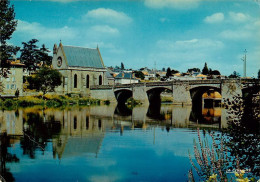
[[179, 34]]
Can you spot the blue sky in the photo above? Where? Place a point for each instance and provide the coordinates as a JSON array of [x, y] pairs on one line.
[[180, 34]]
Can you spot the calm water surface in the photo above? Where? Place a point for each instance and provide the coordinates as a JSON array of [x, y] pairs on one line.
[[102, 143]]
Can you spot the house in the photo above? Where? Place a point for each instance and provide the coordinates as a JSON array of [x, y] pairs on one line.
[[125, 78], [80, 67], [13, 81]]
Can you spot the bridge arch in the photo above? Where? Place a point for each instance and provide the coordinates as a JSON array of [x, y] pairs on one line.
[[122, 95], [197, 93], [154, 94], [250, 90]]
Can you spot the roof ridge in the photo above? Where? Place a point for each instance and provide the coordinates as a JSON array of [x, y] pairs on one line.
[[79, 47]]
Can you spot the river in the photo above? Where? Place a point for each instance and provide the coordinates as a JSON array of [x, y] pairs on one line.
[[102, 143]]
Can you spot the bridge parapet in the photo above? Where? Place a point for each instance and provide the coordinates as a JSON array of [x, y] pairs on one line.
[[181, 89]]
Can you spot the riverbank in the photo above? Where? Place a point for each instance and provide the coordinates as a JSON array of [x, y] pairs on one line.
[[49, 101]]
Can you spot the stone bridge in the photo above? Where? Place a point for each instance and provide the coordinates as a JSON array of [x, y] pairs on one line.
[[183, 92]]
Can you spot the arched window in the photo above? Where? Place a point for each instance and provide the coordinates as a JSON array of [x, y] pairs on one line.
[[100, 80], [75, 123], [87, 81], [75, 80]]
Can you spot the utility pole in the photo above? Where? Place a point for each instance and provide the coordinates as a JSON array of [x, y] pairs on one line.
[[244, 59]]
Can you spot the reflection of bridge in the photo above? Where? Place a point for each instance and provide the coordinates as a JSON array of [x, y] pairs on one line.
[[183, 92]]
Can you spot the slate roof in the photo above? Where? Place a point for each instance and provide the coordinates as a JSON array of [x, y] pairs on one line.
[[108, 74], [83, 57]]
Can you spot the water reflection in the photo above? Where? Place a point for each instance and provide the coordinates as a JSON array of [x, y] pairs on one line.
[[81, 131]]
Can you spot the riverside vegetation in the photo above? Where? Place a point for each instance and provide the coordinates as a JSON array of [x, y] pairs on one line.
[[49, 100]]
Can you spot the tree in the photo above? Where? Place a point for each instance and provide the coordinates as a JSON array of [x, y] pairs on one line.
[[169, 72], [215, 72], [258, 74], [163, 69], [43, 55], [122, 66], [7, 27], [205, 70], [174, 71], [234, 75], [45, 80], [30, 54]]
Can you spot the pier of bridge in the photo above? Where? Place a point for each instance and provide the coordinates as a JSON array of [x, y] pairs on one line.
[[183, 92]]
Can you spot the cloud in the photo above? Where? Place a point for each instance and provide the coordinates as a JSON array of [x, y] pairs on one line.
[[215, 18], [183, 53], [235, 34], [108, 16], [36, 30], [176, 4], [188, 45], [249, 30], [104, 29], [238, 17]]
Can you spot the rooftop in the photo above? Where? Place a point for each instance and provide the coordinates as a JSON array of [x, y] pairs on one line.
[[83, 57]]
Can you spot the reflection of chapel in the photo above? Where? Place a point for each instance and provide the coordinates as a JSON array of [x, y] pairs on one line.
[[80, 68]]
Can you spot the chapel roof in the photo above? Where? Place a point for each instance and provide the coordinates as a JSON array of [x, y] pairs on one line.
[[83, 57]]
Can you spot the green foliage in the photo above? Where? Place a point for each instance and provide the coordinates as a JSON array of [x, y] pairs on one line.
[[7, 27], [258, 75], [139, 74], [205, 70], [49, 101], [45, 80]]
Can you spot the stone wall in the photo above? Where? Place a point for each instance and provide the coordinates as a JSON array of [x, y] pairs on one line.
[[104, 94]]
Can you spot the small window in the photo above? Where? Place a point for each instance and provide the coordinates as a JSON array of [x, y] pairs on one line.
[[8, 79], [7, 86], [13, 79], [13, 72], [13, 86]]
